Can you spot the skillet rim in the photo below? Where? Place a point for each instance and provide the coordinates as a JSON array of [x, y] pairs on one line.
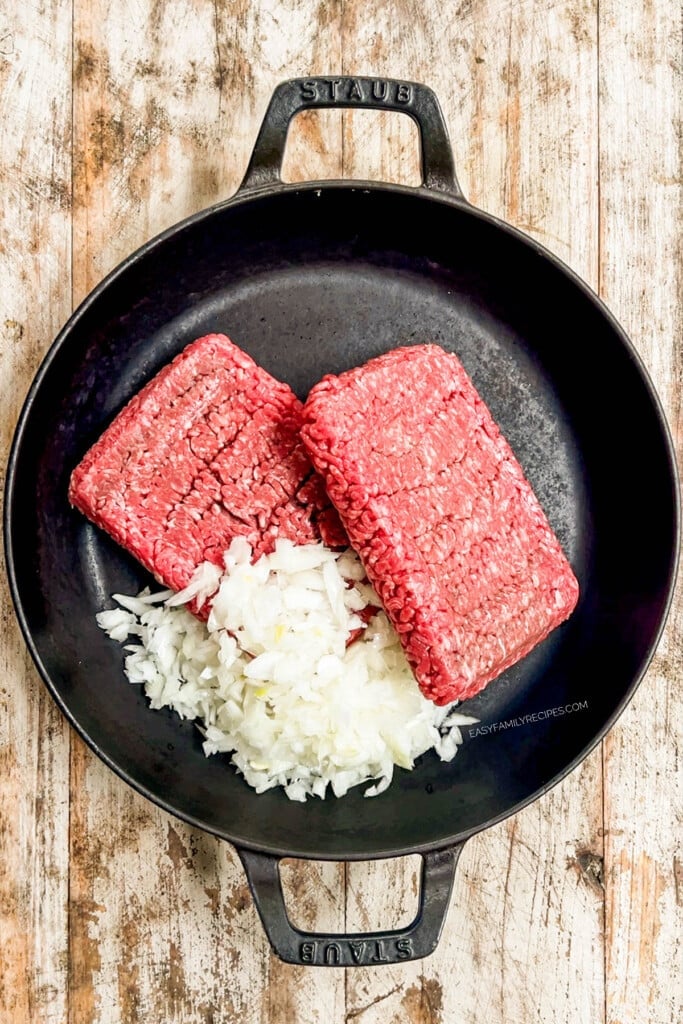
[[243, 196]]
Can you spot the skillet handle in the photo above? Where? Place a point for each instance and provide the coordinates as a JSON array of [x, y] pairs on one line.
[[320, 949], [297, 94]]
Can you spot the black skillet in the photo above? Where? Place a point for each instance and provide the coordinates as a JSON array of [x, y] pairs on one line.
[[315, 278]]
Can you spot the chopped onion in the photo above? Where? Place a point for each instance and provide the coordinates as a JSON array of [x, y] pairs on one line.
[[272, 677]]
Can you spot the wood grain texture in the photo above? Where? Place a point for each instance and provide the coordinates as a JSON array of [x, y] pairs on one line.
[[35, 243], [116, 121], [641, 278]]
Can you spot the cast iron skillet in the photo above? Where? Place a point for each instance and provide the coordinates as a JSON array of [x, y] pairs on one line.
[[316, 278]]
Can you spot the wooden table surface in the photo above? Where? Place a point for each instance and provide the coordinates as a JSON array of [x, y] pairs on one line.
[[120, 118]]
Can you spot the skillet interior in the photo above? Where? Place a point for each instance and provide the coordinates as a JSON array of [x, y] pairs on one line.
[[314, 280]]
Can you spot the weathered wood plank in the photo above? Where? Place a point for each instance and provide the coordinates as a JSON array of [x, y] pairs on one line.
[[167, 102], [35, 242], [526, 919], [518, 85], [165, 130], [162, 924], [641, 278], [382, 895], [161, 916]]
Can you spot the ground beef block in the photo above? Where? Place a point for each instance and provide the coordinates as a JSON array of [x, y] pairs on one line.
[[437, 506], [208, 450]]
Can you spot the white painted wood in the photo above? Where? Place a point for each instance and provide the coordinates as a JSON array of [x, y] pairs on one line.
[[641, 278], [167, 100], [35, 295]]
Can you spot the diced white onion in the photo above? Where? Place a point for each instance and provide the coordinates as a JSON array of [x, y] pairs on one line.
[[272, 677]]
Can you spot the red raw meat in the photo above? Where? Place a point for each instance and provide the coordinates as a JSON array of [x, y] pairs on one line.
[[437, 506], [209, 450]]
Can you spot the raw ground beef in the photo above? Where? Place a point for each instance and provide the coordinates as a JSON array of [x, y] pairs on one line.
[[438, 508], [210, 449]]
